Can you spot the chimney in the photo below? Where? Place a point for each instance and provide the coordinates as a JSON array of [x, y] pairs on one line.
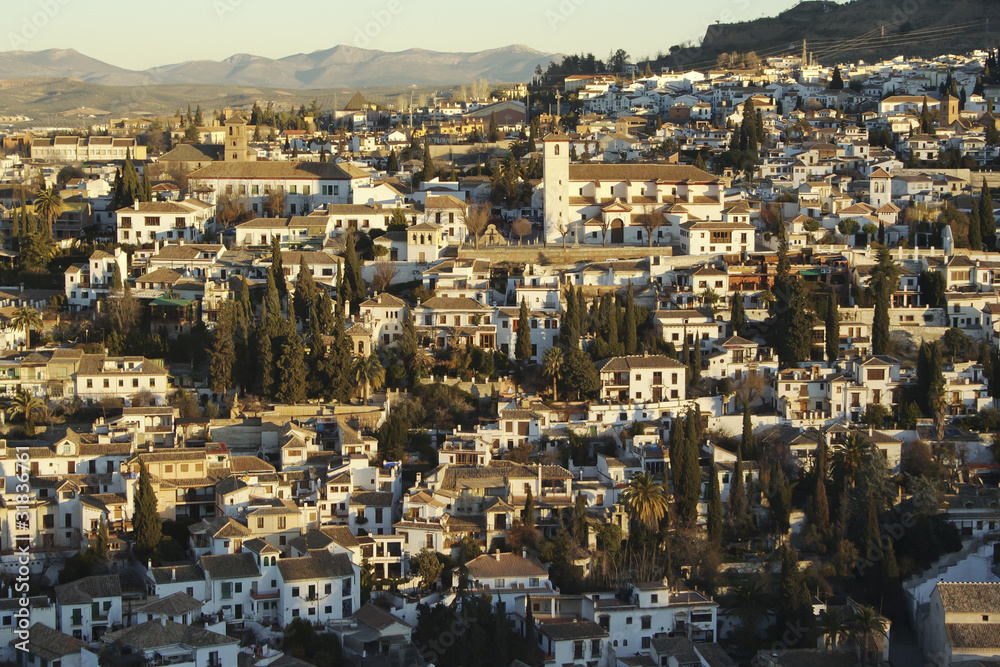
[[173, 574], [149, 563], [420, 478], [135, 205], [163, 620], [524, 552], [496, 554]]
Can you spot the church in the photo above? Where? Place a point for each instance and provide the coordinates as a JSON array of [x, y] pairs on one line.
[[625, 204]]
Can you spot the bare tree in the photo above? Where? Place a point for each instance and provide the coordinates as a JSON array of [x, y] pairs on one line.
[[476, 218], [275, 203], [605, 226], [521, 227], [563, 230], [385, 272], [750, 387], [231, 211], [650, 221]]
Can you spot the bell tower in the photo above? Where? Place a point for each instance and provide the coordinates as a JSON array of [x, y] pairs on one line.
[[236, 138], [555, 176]]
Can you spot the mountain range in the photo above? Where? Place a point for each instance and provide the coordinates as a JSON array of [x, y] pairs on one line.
[[337, 67]]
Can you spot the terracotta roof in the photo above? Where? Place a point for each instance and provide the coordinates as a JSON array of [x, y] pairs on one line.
[[639, 363], [639, 173], [154, 634], [83, 591], [329, 171], [505, 565], [982, 636], [970, 598], [318, 565], [180, 573], [173, 605], [51, 645], [230, 566]]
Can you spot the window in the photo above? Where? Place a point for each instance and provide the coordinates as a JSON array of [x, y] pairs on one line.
[[295, 591], [260, 522], [227, 590], [646, 623], [347, 586]]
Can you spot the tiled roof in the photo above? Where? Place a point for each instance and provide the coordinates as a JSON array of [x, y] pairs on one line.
[[84, 591], [180, 573], [230, 566], [156, 634], [981, 636], [376, 617], [573, 630], [173, 605], [970, 598], [324, 537], [372, 498], [50, 644], [636, 362], [279, 170], [319, 564], [505, 565]]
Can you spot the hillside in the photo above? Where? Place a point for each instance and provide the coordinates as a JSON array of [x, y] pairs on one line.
[[75, 103], [842, 32]]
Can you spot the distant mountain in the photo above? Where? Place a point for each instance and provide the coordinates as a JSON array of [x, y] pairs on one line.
[[340, 66]]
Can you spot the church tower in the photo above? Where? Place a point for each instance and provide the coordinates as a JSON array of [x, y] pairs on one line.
[[880, 190], [236, 138], [555, 177]]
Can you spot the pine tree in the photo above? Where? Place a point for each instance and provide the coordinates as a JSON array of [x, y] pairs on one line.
[[714, 519], [832, 329], [737, 315], [522, 346], [631, 333], [147, 526]]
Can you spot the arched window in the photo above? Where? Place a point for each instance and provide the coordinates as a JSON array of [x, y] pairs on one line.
[[230, 131], [557, 149]]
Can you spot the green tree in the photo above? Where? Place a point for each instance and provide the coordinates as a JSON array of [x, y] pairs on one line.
[[28, 407], [793, 596], [975, 231], [528, 513], [49, 204], [429, 169], [646, 501], [749, 439], [522, 346], [832, 329], [884, 280], [305, 292], [223, 352], [351, 283], [714, 518], [737, 315], [987, 218], [837, 80], [290, 385], [102, 544], [739, 509], [780, 497], [494, 132], [631, 335], [428, 566], [581, 377], [867, 625], [367, 373], [147, 526], [930, 377], [24, 319], [552, 367], [278, 267]]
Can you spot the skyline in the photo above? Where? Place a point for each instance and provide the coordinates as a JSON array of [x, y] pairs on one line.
[[385, 25]]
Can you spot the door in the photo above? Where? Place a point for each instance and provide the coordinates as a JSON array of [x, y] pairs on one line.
[[617, 231]]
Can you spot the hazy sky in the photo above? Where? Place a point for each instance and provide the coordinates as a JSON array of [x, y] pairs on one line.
[[140, 33]]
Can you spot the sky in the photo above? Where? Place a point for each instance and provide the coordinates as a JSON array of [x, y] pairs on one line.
[[133, 35]]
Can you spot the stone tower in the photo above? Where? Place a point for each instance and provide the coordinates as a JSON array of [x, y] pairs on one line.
[[949, 110], [555, 176], [236, 138]]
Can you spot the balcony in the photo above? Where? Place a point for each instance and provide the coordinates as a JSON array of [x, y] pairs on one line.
[[265, 595]]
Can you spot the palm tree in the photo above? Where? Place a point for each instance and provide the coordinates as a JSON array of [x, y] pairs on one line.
[[25, 319], [368, 373], [552, 366], [848, 457], [748, 600], [866, 627], [833, 627], [49, 204], [646, 500], [420, 363], [26, 405]]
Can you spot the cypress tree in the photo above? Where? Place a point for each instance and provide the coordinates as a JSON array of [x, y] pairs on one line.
[[987, 218], [714, 520], [737, 495], [265, 361], [737, 315], [530, 638], [793, 597], [429, 170], [677, 452], [147, 187], [116, 279], [271, 317], [528, 514], [102, 546], [749, 439], [690, 483], [631, 339], [305, 292], [871, 547], [615, 345], [832, 329], [975, 231], [147, 526], [223, 351], [695, 370], [278, 267], [291, 371], [780, 497], [570, 330], [885, 280], [352, 284], [522, 346]]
